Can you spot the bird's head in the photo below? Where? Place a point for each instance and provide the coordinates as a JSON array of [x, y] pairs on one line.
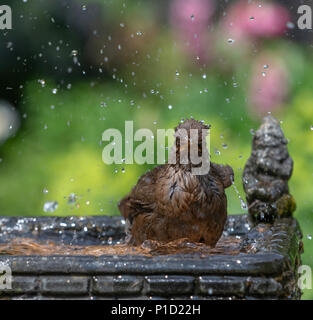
[[189, 132], [190, 142]]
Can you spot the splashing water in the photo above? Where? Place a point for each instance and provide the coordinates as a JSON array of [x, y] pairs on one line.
[[72, 198], [242, 203], [50, 206]]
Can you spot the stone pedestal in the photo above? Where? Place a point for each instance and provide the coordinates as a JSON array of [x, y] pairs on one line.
[[265, 266]]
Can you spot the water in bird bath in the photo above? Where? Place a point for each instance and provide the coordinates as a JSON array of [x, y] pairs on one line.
[[230, 245], [95, 236], [242, 202]]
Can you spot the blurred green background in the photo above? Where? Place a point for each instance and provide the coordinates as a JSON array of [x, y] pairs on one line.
[[72, 69]]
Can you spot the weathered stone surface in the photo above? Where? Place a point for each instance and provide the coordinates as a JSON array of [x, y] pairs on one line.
[[64, 285], [263, 287], [169, 285], [224, 286], [24, 285], [251, 264], [266, 174], [122, 284], [102, 285], [264, 269]]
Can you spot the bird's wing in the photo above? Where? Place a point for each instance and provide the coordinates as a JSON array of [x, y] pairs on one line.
[[142, 197]]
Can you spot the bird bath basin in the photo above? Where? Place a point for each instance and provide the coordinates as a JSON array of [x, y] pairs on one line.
[[84, 258]]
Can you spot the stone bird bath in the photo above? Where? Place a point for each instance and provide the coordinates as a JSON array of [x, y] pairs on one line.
[[84, 258]]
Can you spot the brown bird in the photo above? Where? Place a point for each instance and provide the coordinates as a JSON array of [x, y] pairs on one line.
[[170, 202]]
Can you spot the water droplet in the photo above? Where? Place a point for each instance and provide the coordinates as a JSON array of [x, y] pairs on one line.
[[74, 53], [192, 17], [87, 202], [55, 91], [230, 41], [225, 146], [263, 74], [204, 76], [290, 25], [311, 128], [103, 104], [72, 198], [251, 18], [242, 203], [42, 82], [210, 291], [50, 206], [115, 170], [309, 237], [227, 100], [252, 132], [217, 152], [170, 107], [45, 191], [84, 7], [177, 73], [266, 66], [123, 170]]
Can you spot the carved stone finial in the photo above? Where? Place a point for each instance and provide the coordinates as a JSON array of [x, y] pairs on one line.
[[266, 174]]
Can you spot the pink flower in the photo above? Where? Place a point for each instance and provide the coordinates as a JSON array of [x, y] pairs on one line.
[[269, 84], [190, 20], [256, 20]]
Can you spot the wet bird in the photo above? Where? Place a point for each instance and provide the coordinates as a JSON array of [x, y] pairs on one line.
[[170, 202]]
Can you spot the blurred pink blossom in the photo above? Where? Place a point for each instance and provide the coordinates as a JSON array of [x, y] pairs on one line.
[[269, 84], [190, 20], [256, 19]]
